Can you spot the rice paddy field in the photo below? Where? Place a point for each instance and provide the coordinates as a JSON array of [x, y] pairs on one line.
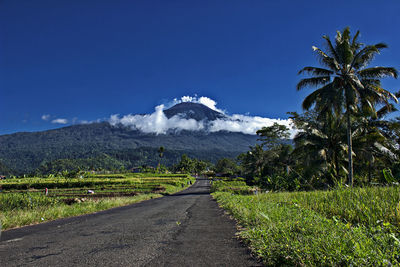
[[352, 226], [25, 201]]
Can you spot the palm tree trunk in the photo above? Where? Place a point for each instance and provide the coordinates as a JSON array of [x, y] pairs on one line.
[[369, 172], [350, 148]]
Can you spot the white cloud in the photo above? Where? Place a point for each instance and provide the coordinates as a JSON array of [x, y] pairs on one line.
[[158, 123], [247, 124], [60, 121], [45, 117]]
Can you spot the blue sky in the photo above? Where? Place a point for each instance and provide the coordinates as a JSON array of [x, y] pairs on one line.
[[86, 60]]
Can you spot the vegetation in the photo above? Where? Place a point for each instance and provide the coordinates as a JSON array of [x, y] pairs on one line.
[[103, 146], [359, 226], [344, 119], [189, 165], [32, 200], [348, 88]]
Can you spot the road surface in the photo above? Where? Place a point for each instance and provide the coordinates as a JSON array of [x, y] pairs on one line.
[[185, 229]]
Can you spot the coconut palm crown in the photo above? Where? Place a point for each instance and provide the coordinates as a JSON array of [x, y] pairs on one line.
[[345, 84]]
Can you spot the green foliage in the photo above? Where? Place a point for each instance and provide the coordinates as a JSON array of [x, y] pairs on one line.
[[189, 165], [12, 201], [4, 170], [387, 173], [270, 159], [233, 186], [226, 166], [272, 136]]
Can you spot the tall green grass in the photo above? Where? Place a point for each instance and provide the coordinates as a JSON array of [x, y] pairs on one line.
[[332, 228], [13, 201], [368, 206]]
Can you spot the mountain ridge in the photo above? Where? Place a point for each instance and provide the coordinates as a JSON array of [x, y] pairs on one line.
[[24, 152]]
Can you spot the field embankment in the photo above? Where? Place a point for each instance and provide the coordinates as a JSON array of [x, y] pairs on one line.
[[359, 226], [24, 201]]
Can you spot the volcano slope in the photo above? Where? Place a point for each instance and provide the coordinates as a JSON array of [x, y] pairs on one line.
[[184, 229]]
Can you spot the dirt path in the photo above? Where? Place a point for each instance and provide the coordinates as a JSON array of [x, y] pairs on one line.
[[185, 229]]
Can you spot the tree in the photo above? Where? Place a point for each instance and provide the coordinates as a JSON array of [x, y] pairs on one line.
[[346, 85], [320, 145], [373, 143], [272, 136], [161, 155], [186, 165], [226, 166], [201, 166]]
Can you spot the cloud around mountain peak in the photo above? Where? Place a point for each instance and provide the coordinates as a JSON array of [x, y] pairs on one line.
[[159, 123]]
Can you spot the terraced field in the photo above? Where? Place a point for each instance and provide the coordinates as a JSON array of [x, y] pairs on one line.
[[30, 200]]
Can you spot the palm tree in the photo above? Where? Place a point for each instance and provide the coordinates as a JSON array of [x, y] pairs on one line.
[[371, 142], [346, 85], [320, 145]]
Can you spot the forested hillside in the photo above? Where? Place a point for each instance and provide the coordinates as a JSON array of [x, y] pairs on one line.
[[114, 146]]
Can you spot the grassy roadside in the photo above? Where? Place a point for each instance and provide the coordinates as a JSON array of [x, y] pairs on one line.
[[20, 217], [18, 209], [343, 227]]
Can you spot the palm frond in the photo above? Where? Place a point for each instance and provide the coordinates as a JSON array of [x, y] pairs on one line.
[[357, 83], [316, 97], [380, 46], [338, 38], [331, 48], [326, 60], [386, 110], [378, 72], [346, 34], [354, 44], [368, 108], [316, 71], [364, 56], [368, 82], [313, 82], [385, 94], [343, 48]]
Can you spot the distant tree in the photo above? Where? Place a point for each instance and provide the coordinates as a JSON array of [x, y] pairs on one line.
[[161, 155], [226, 166], [161, 151], [186, 165], [201, 166]]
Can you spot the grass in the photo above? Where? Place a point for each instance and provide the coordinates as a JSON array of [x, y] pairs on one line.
[[23, 202], [20, 217], [341, 227]]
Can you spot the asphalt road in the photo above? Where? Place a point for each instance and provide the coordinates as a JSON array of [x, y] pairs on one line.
[[185, 229]]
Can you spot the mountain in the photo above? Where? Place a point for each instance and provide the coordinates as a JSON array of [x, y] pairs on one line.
[[103, 143], [189, 110]]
